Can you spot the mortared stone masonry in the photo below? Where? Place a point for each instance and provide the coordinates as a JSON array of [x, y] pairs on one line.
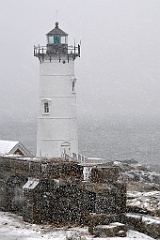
[[53, 190]]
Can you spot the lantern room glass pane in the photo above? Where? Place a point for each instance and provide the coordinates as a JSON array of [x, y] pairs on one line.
[[50, 39], [56, 39], [63, 40]]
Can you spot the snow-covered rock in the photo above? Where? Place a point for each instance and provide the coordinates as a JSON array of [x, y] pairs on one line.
[[134, 172], [148, 202]]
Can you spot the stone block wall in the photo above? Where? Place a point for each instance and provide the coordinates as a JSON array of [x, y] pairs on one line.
[[101, 174], [110, 197], [54, 191]]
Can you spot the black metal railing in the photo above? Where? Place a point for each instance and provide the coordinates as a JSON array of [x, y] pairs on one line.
[[57, 49]]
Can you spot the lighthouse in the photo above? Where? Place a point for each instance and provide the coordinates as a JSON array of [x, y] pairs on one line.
[[57, 120]]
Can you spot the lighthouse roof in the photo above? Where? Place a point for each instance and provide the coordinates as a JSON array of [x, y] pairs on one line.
[[57, 31]]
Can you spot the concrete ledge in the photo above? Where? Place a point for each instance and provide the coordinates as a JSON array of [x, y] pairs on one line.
[[145, 224], [111, 230], [93, 219]]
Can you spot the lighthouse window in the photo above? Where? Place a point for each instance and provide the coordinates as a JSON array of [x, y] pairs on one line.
[[56, 39], [46, 107]]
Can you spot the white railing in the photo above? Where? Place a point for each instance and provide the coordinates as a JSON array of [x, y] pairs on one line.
[[79, 158]]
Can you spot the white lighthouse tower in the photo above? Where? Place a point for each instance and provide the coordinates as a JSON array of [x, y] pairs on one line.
[[57, 120]]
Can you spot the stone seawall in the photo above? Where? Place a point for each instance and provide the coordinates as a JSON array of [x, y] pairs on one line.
[[53, 190]]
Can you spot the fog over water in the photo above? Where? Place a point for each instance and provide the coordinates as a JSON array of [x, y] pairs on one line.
[[118, 74], [110, 139]]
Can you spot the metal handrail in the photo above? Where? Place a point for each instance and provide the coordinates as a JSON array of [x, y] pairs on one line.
[[70, 50]]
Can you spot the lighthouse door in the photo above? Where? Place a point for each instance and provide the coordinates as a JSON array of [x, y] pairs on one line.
[[65, 149]]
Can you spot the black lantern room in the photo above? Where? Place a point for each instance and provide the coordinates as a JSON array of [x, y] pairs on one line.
[[57, 47], [57, 36]]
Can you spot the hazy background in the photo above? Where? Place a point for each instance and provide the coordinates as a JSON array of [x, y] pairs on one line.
[[118, 74]]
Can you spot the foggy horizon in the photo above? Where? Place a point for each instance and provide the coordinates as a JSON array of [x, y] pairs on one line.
[[118, 73]]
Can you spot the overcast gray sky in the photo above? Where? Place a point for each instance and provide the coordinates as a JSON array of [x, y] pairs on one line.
[[119, 69]]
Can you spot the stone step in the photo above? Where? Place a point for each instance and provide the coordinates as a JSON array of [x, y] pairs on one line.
[[110, 230], [147, 224]]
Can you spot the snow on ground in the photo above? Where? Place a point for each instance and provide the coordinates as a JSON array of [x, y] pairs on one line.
[[12, 227], [131, 235], [144, 200]]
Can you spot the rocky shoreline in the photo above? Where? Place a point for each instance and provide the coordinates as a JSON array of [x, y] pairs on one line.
[[143, 196], [143, 186]]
